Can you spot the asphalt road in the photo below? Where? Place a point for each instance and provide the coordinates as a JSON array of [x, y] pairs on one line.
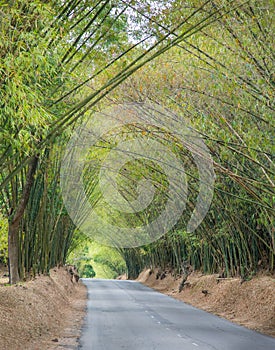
[[128, 315]]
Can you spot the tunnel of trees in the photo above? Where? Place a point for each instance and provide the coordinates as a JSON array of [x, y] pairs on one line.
[[209, 62]]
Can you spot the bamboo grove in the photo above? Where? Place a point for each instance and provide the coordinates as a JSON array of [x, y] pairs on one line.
[[210, 62]]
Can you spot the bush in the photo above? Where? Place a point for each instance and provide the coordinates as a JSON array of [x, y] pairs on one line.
[[87, 271], [3, 240]]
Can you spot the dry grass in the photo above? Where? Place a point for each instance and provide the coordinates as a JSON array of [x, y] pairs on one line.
[[44, 313], [251, 304]]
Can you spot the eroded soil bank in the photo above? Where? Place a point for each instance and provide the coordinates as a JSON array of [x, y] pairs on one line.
[[44, 313], [250, 303]]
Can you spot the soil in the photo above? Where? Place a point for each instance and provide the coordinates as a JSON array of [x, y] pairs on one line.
[[248, 303], [122, 277], [44, 313], [47, 312]]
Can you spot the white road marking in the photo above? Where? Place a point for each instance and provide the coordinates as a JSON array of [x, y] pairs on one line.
[[168, 329], [152, 316], [195, 344]]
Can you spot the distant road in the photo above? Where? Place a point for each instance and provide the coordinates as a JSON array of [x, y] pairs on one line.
[[128, 315]]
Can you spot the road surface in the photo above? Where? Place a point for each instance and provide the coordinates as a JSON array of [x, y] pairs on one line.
[[128, 315]]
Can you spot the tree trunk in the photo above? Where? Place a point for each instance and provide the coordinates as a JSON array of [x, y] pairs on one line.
[[13, 252], [14, 223]]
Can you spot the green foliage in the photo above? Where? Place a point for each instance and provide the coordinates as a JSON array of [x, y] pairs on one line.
[[3, 239], [46, 229], [210, 62], [221, 81], [106, 262], [26, 69], [79, 255], [87, 271], [108, 258]]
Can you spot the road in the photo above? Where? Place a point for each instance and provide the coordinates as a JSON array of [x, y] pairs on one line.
[[129, 315]]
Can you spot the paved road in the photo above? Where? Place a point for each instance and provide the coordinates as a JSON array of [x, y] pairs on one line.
[[128, 315]]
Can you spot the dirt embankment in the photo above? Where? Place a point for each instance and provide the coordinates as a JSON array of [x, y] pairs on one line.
[[45, 313], [251, 303]]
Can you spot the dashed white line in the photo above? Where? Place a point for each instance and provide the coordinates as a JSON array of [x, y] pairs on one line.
[[152, 316], [195, 344], [168, 329]]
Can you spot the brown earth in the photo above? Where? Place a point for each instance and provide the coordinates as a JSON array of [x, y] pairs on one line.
[[250, 304], [122, 277], [47, 312], [44, 313]]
